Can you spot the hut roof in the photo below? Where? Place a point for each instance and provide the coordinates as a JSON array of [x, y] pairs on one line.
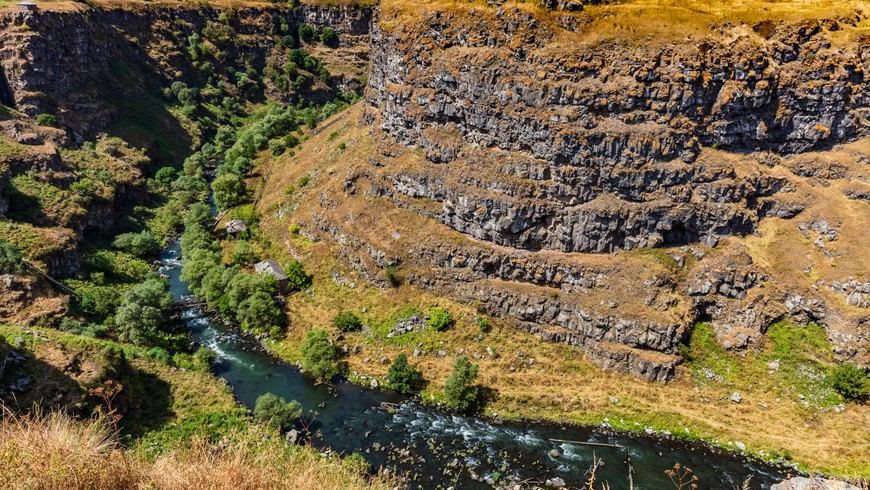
[[270, 267], [235, 226]]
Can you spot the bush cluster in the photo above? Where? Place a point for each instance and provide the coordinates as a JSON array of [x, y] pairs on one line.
[[139, 244], [851, 382], [346, 321], [440, 319]]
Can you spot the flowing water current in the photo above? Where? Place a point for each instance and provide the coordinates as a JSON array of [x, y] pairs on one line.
[[438, 448]]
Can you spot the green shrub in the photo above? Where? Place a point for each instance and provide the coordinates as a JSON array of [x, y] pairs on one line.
[[204, 357], [297, 278], [483, 324], [98, 300], [276, 412], [318, 355], [84, 187], [460, 393], [346, 321], [158, 354], [243, 254], [306, 32], [10, 258], [328, 36], [440, 319], [304, 180], [391, 277], [138, 244], [165, 176], [47, 120], [404, 378], [851, 382]]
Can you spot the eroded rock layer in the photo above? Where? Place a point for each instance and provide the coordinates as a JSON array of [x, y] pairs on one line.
[[593, 147]]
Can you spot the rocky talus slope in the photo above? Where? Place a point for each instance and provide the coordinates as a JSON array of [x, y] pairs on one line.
[[609, 194]]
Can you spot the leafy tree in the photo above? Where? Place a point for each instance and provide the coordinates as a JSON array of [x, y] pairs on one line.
[[196, 265], [242, 286], [276, 412], [318, 355], [851, 381], [259, 312], [297, 278], [214, 285], [460, 392], [190, 188], [10, 258], [228, 190], [199, 215], [328, 36], [346, 321], [165, 176], [404, 378], [440, 319], [306, 32], [138, 244], [196, 238], [143, 311]]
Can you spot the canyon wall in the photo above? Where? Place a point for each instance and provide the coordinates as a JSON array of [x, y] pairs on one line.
[[598, 142]]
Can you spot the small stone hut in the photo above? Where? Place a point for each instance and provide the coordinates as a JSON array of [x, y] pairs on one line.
[[235, 226], [275, 269], [27, 6]]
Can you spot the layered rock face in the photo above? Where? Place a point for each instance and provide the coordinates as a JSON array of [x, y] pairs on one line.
[[535, 141], [597, 144]]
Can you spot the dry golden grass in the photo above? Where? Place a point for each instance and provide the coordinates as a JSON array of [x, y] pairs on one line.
[[645, 20], [53, 451]]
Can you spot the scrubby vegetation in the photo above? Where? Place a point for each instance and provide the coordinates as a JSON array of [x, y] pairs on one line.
[[10, 258], [851, 382], [346, 321], [440, 319]]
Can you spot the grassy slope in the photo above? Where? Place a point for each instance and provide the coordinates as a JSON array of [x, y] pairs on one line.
[[180, 416], [561, 384]]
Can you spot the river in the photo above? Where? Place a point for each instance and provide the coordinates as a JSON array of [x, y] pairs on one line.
[[444, 449]]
